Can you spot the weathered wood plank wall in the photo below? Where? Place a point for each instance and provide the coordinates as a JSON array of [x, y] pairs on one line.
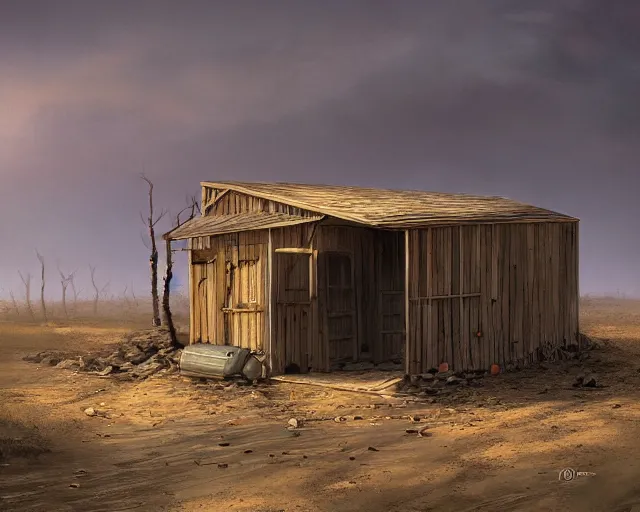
[[234, 202], [486, 294], [227, 289]]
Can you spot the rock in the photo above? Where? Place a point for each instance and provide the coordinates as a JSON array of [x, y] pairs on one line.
[[295, 423], [414, 379], [125, 367], [106, 371], [90, 411], [340, 419], [68, 364], [444, 375], [373, 449], [453, 380], [616, 406], [589, 381], [427, 377], [74, 485]]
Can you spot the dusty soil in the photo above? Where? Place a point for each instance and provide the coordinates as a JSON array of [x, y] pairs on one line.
[[170, 443]]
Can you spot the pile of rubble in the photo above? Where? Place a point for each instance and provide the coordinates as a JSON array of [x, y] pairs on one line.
[[438, 383], [139, 355]]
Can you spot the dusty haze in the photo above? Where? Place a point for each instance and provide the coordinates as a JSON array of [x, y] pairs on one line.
[[530, 100]]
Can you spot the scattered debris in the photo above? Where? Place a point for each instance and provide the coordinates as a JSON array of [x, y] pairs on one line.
[[140, 355], [586, 381], [295, 423], [424, 433]]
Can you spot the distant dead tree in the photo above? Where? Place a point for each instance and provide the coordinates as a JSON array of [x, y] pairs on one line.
[[65, 281], [133, 296], [27, 293], [150, 223], [76, 292], [43, 306], [98, 291], [166, 291], [15, 303]]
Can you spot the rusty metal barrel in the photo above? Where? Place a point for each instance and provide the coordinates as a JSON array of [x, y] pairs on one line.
[[212, 361]]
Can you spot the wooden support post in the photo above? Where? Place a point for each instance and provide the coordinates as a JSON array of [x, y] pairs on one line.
[[577, 281], [192, 291], [269, 298], [465, 355], [429, 338], [407, 316]]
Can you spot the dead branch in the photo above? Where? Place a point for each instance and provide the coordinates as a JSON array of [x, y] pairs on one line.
[[27, 293], [43, 306], [153, 258], [65, 281]]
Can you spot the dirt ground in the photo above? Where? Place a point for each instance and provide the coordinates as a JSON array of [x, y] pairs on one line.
[[169, 443]]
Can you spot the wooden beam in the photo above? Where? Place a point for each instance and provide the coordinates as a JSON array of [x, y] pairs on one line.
[[191, 299], [294, 250], [440, 297], [208, 203], [461, 280], [269, 300], [429, 340], [407, 317]]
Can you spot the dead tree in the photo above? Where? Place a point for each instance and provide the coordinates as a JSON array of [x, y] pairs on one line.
[[98, 291], [27, 293], [76, 292], [150, 223], [43, 306], [15, 303], [166, 292], [65, 281]]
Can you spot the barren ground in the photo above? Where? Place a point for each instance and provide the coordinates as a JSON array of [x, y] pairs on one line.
[[495, 447]]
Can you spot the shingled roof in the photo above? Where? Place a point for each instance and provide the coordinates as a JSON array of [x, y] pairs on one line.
[[395, 209]]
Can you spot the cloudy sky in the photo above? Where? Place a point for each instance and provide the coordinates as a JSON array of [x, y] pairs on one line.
[[533, 100]]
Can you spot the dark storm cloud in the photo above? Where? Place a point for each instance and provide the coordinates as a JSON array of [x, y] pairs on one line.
[[534, 100]]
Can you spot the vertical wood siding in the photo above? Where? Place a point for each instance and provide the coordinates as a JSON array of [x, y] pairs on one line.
[[488, 294]]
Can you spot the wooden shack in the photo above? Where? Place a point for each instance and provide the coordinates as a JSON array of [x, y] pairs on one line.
[[316, 276]]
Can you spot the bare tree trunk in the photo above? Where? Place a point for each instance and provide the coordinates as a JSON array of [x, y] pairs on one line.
[[15, 303], [43, 306], [96, 297], [166, 293], [27, 293], [153, 258], [65, 281], [64, 300]]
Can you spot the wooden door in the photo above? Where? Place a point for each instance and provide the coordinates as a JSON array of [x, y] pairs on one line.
[[341, 307], [204, 303], [243, 311], [391, 300], [293, 311]]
